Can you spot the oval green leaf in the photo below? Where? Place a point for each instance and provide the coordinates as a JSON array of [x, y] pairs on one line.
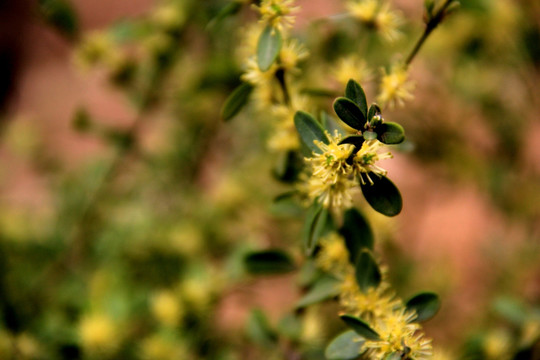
[[268, 47], [355, 92], [383, 195], [236, 101], [309, 130], [425, 304], [314, 226], [350, 113], [259, 330], [390, 133], [268, 262], [325, 288], [374, 109], [360, 327], [367, 272], [345, 346], [357, 234]]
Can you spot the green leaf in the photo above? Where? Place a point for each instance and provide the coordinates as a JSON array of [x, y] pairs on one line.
[[228, 10], [268, 262], [345, 346], [355, 92], [511, 309], [383, 195], [360, 327], [236, 101], [357, 233], [356, 140], [259, 329], [425, 304], [268, 47], [374, 109], [286, 205], [330, 124], [289, 165], [367, 271], [325, 288], [309, 130], [61, 15], [290, 326], [393, 356], [390, 133], [316, 218], [350, 113]]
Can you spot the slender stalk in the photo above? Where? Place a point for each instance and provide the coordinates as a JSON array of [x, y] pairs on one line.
[[433, 22]]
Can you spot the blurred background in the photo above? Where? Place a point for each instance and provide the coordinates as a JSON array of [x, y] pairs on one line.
[[126, 203]]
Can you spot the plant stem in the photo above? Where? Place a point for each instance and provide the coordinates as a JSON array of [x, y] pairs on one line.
[[433, 22]]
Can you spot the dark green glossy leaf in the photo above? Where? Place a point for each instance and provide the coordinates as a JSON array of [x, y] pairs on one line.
[[316, 219], [425, 304], [345, 346], [374, 109], [357, 233], [309, 130], [236, 101], [360, 327], [355, 92], [350, 113], [289, 165], [356, 140], [324, 288], [268, 47], [390, 133], [368, 274], [268, 262], [259, 329], [383, 195]]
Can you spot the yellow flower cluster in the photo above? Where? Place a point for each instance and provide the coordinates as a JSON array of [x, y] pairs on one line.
[[334, 170], [378, 306], [377, 15], [277, 13]]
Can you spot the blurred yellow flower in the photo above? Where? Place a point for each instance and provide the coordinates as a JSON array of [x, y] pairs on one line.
[[167, 308], [377, 15], [277, 13], [351, 67], [98, 333], [395, 87]]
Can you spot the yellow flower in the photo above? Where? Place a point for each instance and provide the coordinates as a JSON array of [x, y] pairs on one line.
[[291, 53], [277, 13], [365, 160], [376, 15], [351, 67], [330, 182], [395, 87], [398, 334], [98, 333], [256, 76], [332, 162], [167, 308], [371, 305], [333, 256]]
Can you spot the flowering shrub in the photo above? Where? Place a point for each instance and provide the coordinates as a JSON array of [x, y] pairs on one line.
[[147, 250]]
